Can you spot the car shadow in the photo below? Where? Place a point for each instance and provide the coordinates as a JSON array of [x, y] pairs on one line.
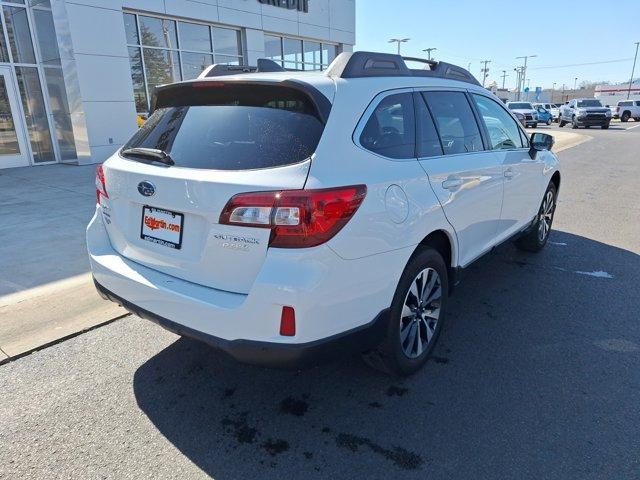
[[521, 381]]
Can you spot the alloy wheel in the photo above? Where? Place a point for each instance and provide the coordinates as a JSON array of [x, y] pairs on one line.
[[420, 313], [546, 216]]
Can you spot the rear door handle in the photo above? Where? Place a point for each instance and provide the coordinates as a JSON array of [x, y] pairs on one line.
[[452, 183]]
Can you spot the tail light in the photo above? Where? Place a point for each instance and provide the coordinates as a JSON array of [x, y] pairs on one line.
[[297, 218], [101, 187]]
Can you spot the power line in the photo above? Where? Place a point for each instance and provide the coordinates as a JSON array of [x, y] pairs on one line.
[[582, 64]]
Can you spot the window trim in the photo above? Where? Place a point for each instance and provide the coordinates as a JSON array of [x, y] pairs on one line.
[[484, 127]]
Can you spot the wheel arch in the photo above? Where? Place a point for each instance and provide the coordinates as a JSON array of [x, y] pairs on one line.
[[444, 243]]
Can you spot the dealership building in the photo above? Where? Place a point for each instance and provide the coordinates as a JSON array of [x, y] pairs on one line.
[[76, 74]]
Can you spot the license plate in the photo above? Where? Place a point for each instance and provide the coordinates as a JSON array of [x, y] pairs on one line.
[[162, 227]]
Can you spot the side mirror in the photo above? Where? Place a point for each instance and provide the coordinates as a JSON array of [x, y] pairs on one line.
[[539, 143]]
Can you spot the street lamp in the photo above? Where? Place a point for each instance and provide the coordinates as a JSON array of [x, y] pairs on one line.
[[553, 89], [633, 71], [575, 84], [399, 41]]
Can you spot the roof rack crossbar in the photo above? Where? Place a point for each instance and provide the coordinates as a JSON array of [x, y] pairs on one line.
[[372, 64]]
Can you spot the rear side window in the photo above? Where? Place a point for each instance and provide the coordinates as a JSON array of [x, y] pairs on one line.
[[459, 132], [391, 130], [233, 128], [503, 130]]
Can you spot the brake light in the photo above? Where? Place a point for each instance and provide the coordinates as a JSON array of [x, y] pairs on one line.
[[101, 187], [288, 322], [297, 218]]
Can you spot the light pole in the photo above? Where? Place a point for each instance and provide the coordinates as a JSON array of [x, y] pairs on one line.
[[575, 84], [564, 87], [553, 90], [429, 50], [633, 71], [399, 41]]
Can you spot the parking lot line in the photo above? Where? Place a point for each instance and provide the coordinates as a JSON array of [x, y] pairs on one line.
[[631, 128]]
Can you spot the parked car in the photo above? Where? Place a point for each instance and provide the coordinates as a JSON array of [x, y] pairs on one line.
[[628, 109], [544, 115], [282, 215], [552, 108], [614, 111], [526, 109], [585, 112], [521, 118]]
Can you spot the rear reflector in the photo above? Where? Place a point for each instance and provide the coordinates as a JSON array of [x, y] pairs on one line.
[[288, 322], [101, 187], [297, 218]]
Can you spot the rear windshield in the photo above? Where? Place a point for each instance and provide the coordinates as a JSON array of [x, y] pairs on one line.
[[520, 106], [227, 127], [589, 103]]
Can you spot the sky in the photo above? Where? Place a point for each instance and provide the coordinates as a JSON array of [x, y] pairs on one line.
[[560, 33]]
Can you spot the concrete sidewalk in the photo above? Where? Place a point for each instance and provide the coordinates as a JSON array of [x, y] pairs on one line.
[[46, 292]]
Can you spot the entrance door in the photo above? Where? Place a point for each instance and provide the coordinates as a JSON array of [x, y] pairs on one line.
[[13, 147]]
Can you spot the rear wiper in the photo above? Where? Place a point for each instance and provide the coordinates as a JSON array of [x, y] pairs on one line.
[[150, 154]]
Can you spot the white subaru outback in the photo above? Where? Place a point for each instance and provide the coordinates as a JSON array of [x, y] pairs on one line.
[[285, 216]]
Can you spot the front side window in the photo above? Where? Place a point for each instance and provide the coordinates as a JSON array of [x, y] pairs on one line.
[[457, 126], [503, 131], [390, 130]]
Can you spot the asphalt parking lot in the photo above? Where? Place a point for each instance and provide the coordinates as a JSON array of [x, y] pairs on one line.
[[537, 375]]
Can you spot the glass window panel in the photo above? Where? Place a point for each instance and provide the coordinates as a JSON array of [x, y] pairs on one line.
[[292, 50], [459, 132], [161, 66], [59, 105], [391, 129], [158, 32], [273, 48], [427, 142], [35, 114], [225, 60], [19, 34], [329, 53], [194, 63], [195, 37], [312, 53], [503, 130], [46, 34], [8, 138], [226, 41], [37, 3], [131, 29], [137, 76]]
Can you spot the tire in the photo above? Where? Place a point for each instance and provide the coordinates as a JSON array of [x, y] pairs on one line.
[[402, 356], [537, 236], [549, 122], [535, 125], [561, 123], [636, 119], [605, 126], [625, 117], [574, 123]]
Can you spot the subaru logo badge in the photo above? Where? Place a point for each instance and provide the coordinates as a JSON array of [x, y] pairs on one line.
[[146, 188]]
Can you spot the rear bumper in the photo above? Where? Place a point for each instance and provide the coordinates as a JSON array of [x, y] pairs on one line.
[[335, 309], [270, 354]]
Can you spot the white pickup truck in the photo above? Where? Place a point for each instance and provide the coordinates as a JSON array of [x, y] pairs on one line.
[[628, 109]]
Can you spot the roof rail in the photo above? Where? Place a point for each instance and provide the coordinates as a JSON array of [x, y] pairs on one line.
[[220, 70], [372, 64]]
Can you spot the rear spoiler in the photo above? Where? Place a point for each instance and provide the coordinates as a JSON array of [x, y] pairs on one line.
[[166, 95]]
